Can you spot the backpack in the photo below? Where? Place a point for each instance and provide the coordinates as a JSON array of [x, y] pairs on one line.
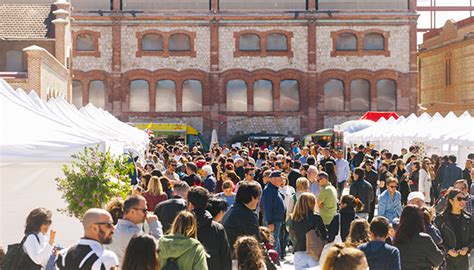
[[16, 257], [73, 257], [171, 264]]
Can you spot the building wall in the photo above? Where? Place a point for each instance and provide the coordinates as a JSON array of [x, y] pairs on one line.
[[18, 45], [104, 61]]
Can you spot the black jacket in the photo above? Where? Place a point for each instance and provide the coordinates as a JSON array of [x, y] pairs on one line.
[[166, 211], [292, 177], [372, 177], [193, 180], [363, 190], [298, 230], [238, 221], [347, 216], [214, 239], [420, 253], [445, 226]]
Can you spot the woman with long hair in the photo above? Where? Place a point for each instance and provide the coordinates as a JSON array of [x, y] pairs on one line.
[[348, 207], [414, 176], [115, 208], [340, 257], [424, 180], [457, 230], [358, 233], [154, 194], [302, 220], [181, 246], [36, 244], [402, 177], [417, 249], [249, 254], [141, 254]]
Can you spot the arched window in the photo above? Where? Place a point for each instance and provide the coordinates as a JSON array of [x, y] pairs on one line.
[[77, 93], [139, 96], [360, 95], [14, 61], [263, 96], [152, 42], [334, 95], [374, 42], [236, 96], [277, 42], [192, 96], [179, 42], [165, 99], [386, 95], [249, 42], [346, 42], [85, 43], [97, 93], [289, 96]]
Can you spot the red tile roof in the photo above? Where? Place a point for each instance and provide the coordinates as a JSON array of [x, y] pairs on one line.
[[26, 21]]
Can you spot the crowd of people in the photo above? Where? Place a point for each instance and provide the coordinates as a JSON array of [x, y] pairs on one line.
[[246, 207]]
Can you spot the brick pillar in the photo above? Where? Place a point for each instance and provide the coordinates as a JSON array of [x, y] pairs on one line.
[[312, 98], [412, 5], [33, 59], [116, 82], [214, 6], [214, 119], [60, 25], [312, 4]]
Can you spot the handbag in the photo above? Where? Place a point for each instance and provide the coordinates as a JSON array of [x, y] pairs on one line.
[[314, 244]]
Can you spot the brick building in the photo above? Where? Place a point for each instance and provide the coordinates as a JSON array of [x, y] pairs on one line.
[[275, 66], [446, 68], [33, 46]]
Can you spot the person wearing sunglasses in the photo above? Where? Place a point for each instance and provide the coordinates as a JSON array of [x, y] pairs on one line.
[[36, 243], [390, 201], [457, 230], [134, 218], [89, 252]]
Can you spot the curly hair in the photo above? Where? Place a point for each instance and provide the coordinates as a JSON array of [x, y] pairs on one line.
[[249, 254], [358, 233], [115, 208]]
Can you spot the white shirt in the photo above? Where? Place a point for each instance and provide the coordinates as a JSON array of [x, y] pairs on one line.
[[38, 252], [106, 257]]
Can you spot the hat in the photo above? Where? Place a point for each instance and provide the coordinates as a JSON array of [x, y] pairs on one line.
[[275, 174], [416, 195]]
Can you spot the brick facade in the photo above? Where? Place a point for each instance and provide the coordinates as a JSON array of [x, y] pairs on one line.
[[215, 59], [446, 63]]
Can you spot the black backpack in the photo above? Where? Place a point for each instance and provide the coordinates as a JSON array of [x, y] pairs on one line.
[[16, 258], [171, 264], [72, 258]]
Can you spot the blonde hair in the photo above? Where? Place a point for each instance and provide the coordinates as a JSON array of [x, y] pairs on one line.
[[302, 184], [340, 257], [185, 224], [304, 205], [154, 186]]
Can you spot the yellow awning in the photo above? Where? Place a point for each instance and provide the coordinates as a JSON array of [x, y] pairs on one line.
[[168, 127]]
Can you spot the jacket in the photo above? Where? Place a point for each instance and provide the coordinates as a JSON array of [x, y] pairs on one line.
[[166, 211], [346, 216], [381, 256], [372, 177], [188, 252], [452, 172], [239, 221], [125, 230], [388, 207], [363, 190], [293, 176], [273, 203], [445, 226], [214, 239], [420, 253], [298, 230], [210, 183]]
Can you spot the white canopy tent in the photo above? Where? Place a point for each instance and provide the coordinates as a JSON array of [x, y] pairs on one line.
[[441, 135], [37, 138]]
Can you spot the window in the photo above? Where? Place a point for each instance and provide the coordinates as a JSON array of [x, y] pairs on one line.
[[447, 71], [263, 96], [139, 96], [85, 43], [97, 93], [179, 42], [346, 42], [360, 95], [334, 95], [14, 61], [386, 95], [165, 98], [236, 96], [277, 42], [77, 93], [192, 96], [249, 42], [374, 42], [289, 96], [152, 42]]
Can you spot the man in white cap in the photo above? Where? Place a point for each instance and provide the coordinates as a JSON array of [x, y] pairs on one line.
[[416, 198]]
